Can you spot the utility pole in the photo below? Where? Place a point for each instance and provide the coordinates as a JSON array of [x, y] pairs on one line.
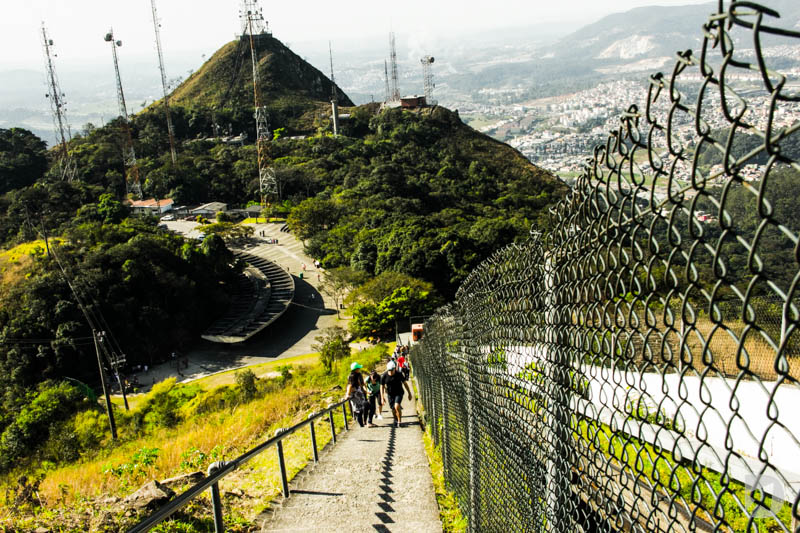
[[170, 129], [132, 182], [97, 335], [255, 26], [59, 110]]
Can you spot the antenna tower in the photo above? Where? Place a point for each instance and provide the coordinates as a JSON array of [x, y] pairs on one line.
[[386, 74], [395, 89], [252, 16], [129, 155], [253, 25], [427, 75], [334, 97], [59, 109], [170, 128]]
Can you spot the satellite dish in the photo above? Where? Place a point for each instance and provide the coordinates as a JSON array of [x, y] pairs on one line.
[[119, 43], [108, 37], [431, 59]]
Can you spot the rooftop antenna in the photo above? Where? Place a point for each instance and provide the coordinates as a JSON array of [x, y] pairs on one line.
[[170, 128], [393, 58], [132, 184], [334, 97], [59, 110], [427, 75], [386, 73], [254, 25]]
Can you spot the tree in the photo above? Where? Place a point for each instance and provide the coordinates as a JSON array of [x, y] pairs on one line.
[[110, 209], [332, 346], [23, 159], [339, 281]]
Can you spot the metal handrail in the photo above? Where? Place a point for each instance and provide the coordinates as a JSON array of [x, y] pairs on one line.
[[221, 469]]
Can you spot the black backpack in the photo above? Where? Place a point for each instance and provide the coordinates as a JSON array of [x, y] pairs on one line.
[[358, 400]]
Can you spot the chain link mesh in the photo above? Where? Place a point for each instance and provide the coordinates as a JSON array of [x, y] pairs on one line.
[[636, 368]]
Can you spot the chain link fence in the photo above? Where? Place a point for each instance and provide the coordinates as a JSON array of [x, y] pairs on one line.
[[636, 367]]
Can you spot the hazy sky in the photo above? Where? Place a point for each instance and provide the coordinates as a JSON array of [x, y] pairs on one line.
[[195, 27]]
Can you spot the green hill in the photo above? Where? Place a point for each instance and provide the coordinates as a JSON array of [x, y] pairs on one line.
[[293, 91]]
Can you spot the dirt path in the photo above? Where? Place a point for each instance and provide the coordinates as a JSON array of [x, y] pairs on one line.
[[374, 479]]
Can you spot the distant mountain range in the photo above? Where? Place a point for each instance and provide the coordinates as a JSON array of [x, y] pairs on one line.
[[519, 64], [656, 32]]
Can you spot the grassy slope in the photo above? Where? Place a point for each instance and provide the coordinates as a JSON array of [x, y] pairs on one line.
[[75, 493]]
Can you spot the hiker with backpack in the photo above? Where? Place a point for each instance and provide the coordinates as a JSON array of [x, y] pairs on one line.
[[357, 393], [374, 398], [392, 383]]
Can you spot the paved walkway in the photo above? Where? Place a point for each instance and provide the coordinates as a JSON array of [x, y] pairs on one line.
[[372, 479]]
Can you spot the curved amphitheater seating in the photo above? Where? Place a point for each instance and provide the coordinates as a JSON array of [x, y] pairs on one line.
[[262, 293]]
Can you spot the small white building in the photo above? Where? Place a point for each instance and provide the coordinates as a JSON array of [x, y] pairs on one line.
[[209, 209], [151, 206]]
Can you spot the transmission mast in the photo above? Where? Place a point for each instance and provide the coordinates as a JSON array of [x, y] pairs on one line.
[[59, 110], [254, 26], [170, 128], [427, 76], [386, 78], [132, 184], [334, 97], [393, 58]]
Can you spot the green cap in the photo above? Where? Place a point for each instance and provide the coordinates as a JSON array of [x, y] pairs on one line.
[[355, 366]]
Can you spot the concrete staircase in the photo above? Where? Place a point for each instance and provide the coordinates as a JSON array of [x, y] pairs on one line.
[[261, 295]]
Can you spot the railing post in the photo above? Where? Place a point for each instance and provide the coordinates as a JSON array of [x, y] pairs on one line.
[[216, 501], [344, 412], [313, 438], [333, 426], [282, 464]]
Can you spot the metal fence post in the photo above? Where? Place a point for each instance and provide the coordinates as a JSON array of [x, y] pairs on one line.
[[333, 426], [344, 412], [444, 439], [474, 510], [556, 430], [282, 464], [216, 501], [313, 438]]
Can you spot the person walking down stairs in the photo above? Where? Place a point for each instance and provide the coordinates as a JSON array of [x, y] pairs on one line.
[[392, 383], [357, 393]]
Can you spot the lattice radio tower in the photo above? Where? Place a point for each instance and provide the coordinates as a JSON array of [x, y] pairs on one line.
[[427, 76], [254, 25], [393, 59], [132, 183], [170, 128], [59, 108]]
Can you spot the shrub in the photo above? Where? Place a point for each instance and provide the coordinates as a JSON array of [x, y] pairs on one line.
[[246, 383], [162, 406], [332, 346], [91, 428]]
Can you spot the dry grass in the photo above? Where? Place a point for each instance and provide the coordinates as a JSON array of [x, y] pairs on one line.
[[207, 383], [725, 344], [238, 429]]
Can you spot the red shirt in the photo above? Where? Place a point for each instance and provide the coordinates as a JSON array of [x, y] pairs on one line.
[[401, 362]]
